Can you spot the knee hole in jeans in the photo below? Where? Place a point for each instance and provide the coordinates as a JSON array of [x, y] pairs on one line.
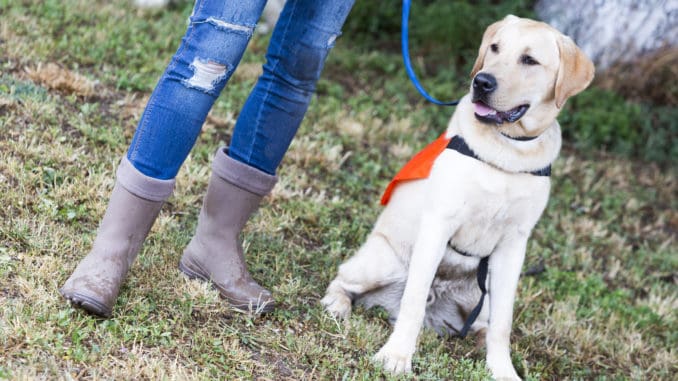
[[206, 74], [218, 46]]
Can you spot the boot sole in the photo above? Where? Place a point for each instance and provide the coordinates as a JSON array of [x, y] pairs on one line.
[[261, 309], [87, 303]]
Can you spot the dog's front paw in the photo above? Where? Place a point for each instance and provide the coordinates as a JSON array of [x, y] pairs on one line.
[[337, 304], [502, 369], [393, 359], [506, 377]]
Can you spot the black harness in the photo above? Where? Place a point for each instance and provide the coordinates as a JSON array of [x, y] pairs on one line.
[[458, 144]]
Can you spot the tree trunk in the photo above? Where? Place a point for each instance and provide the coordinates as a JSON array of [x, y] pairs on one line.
[[615, 32]]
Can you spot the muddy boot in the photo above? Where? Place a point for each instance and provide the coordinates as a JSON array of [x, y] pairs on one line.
[[134, 204], [215, 253]]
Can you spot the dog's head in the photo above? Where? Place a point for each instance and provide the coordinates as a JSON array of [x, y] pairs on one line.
[[525, 71]]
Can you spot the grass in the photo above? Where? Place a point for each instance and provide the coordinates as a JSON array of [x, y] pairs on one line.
[[604, 306]]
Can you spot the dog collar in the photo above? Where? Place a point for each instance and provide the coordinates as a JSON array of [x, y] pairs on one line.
[[520, 138], [458, 144]]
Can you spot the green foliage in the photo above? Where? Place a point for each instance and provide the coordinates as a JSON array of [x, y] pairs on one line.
[[658, 134], [444, 31], [595, 297], [600, 119], [21, 90]]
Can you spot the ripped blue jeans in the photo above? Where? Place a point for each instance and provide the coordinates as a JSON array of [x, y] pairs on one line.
[[211, 49]]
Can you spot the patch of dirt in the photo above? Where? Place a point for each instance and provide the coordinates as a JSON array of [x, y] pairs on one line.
[[55, 77], [283, 372], [6, 104]]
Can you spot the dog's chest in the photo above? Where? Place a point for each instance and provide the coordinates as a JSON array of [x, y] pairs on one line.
[[484, 224], [487, 204]]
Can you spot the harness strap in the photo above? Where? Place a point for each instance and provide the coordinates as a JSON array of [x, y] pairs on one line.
[[459, 144], [482, 277]]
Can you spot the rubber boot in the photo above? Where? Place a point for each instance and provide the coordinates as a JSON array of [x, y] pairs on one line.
[[215, 253], [133, 207]]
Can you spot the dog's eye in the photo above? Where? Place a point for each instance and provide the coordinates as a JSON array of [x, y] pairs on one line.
[[527, 60], [494, 48]]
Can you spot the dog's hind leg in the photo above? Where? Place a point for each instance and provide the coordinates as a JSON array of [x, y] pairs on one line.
[[375, 265]]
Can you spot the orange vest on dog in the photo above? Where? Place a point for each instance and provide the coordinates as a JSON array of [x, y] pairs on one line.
[[419, 167]]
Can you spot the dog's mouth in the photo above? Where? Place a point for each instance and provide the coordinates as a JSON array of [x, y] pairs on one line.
[[487, 114]]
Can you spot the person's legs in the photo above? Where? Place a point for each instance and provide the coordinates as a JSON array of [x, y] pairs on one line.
[[301, 41], [245, 172], [211, 49], [217, 36]]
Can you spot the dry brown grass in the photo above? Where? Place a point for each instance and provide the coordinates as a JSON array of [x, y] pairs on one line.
[[55, 77], [651, 78]]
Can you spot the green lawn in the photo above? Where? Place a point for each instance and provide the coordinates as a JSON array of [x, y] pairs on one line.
[[74, 77]]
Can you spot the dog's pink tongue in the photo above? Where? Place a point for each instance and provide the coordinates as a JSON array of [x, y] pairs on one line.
[[483, 110]]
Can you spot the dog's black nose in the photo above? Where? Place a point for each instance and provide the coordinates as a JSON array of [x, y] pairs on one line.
[[484, 83]]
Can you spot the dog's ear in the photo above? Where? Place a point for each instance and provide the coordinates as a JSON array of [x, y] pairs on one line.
[[485, 44], [575, 72]]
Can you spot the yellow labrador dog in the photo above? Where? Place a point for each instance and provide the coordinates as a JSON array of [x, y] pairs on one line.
[[423, 262]]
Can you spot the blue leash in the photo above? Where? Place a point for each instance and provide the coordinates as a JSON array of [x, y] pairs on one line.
[[406, 58]]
